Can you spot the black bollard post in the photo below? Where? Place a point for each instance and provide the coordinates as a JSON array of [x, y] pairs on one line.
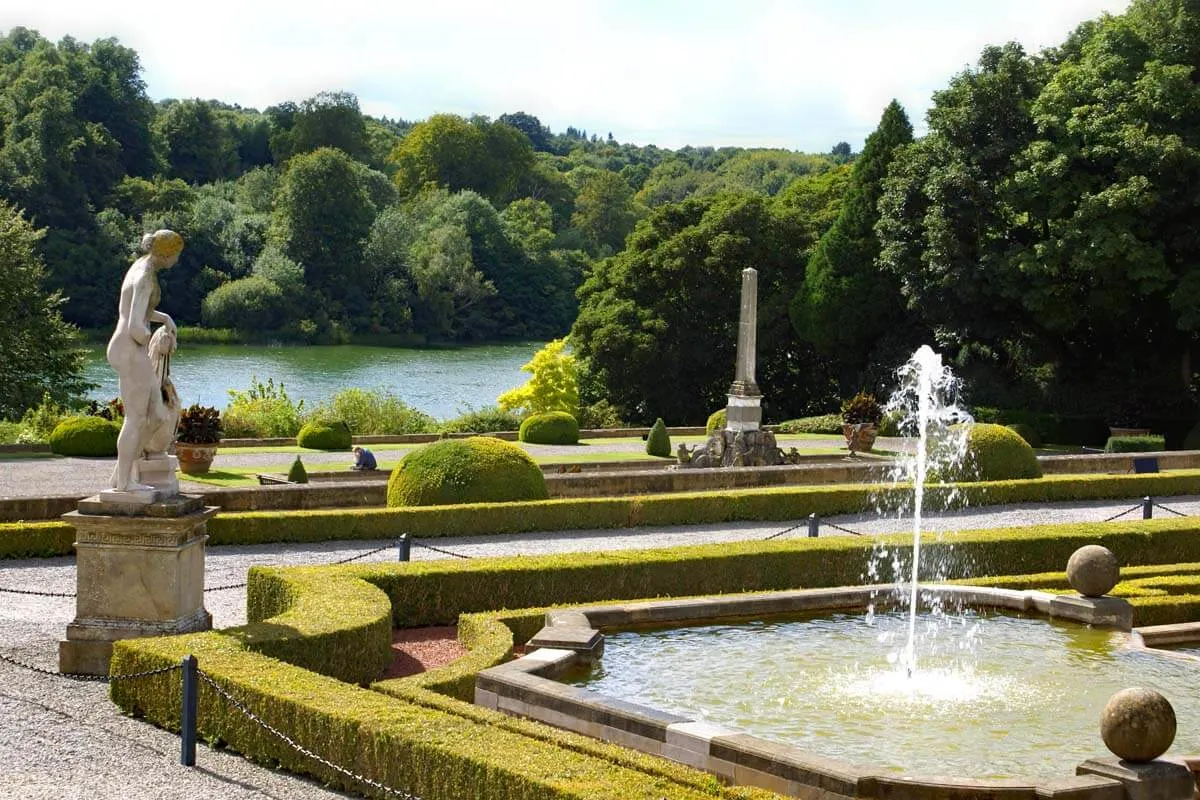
[[404, 544], [187, 716], [1147, 508], [814, 526]]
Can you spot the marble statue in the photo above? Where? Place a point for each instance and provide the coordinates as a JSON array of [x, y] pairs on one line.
[[141, 360]]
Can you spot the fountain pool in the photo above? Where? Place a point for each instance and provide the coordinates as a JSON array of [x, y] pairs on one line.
[[997, 695]]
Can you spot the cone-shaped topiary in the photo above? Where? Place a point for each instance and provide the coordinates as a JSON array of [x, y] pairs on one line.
[[324, 435], [552, 427], [716, 421], [475, 470], [85, 436], [997, 453], [658, 442], [298, 474]]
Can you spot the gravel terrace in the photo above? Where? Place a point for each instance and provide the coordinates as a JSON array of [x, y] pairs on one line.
[[64, 739]]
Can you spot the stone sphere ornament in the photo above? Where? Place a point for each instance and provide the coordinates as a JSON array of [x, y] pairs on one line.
[[1093, 570], [1138, 724]]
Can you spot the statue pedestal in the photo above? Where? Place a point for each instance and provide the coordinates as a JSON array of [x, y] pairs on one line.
[[140, 572]]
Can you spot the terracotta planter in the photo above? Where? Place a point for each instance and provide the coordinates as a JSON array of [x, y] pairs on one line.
[[860, 438], [195, 459]]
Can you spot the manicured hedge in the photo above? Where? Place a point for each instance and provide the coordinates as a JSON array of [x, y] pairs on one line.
[[552, 427], [36, 539], [997, 453], [1026, 432], [716, 421], [94, 437], [1135, 444], [440, 748], [478, 469], [325, 436], [830, 424], [658, 441]]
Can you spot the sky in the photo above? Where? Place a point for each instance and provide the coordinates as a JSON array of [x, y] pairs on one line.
[[802, 75]]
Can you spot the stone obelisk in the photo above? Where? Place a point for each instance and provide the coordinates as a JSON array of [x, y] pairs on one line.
[[744, 411]]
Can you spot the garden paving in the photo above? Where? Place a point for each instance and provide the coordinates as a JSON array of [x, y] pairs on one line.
[[62, 739]]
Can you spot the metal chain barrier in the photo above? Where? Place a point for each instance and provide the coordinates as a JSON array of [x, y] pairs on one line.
[[36, 594], [1126, 512], [365, 555], [785, 531], [1170, 510], [438, 549], [844, 530], [74, 676], [233, 701]]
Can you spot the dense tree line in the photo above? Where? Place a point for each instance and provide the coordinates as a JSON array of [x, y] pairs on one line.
[[312, 221]]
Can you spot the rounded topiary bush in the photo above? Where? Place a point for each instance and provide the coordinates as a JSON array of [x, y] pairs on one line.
[[1026, 432], [716, 421], [85, 436], [475, 470], [997, 453], [324, 436], [552, 427], [658, 442]]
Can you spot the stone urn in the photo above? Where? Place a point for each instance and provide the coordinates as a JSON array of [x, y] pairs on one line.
[[195, 459], [860, 436]]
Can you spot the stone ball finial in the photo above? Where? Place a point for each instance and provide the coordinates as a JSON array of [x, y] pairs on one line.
[[1138, 724], [1093, 570]]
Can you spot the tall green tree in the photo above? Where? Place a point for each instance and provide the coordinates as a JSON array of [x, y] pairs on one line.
[[657, 326], [846, 304], [200, 142], [41, 352], [604, 211], [323, 214]]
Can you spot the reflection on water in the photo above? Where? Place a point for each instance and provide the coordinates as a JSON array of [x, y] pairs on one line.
[[440, 382], [995, 696]]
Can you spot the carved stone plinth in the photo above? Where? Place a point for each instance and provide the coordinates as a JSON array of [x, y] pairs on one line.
[[140, 572], [727, 448]]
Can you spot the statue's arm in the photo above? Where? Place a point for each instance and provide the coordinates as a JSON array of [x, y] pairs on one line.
[[165, 319]]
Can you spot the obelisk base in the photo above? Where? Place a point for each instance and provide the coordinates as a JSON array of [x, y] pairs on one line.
[[140, 572]]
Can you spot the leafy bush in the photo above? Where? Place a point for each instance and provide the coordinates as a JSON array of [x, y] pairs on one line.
[[10, 432], [85, 436], [264, 411], [41, 420], [373, 412], [862, 408], [826, 423], [199, 425], [248, 304], [658, 441], [997, 453], [553, 427], [488, 419], [1026, 432], [553, 387], [1192, 440], [325, 436], [297, 473], [601, 414], [475, 470], [1134, 444], [716, 421]]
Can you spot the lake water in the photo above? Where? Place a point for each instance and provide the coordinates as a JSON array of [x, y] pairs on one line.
[[440, 382]]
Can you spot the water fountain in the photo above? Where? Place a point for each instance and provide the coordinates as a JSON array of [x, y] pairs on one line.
[[995, 691]]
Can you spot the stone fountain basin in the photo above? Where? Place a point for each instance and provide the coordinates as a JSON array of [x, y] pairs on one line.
[[571, 639]]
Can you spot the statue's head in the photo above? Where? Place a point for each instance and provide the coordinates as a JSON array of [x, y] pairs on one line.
[[163, 245]]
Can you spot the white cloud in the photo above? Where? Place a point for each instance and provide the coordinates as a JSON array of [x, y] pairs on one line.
[[801, 74]]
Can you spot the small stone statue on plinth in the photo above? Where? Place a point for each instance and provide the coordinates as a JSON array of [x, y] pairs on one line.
[[742, 443], [140, 543]]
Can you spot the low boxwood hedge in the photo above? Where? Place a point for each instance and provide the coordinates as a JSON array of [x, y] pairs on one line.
[[1135, 444], [325, 435], [439, 747], [552, 427], [783, 504], [93, 437]]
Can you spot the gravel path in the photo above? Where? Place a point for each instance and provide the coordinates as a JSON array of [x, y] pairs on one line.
[[63, 739]]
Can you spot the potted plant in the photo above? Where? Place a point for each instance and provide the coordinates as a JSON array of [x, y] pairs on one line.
[[196, 439], [861, 416]]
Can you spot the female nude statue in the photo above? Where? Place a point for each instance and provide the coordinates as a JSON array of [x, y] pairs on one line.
[[141, 361]]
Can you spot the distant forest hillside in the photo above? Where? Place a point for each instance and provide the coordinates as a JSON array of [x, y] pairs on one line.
[[311, 221]]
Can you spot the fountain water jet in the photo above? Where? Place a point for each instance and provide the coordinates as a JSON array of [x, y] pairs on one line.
[[927, 399]]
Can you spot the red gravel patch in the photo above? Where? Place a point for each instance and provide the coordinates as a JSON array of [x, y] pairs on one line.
[[416, 650]]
